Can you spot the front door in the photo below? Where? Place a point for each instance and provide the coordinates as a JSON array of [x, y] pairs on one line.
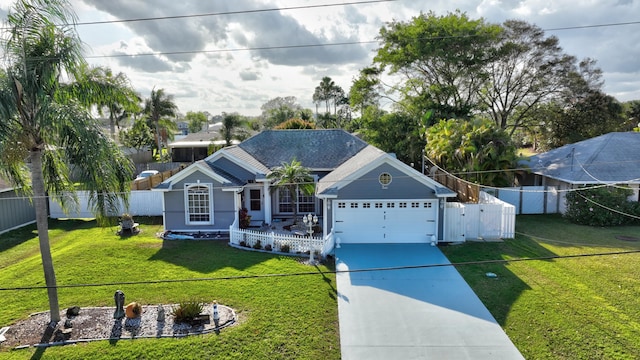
[[254, 204]]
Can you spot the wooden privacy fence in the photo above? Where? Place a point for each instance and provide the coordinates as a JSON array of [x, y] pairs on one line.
[[467, 192], [154, 180]]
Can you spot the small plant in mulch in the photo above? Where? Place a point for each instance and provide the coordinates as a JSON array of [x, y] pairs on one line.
[[268, 247], [285, 248], [243, 243], [187, 312], [257, 245]]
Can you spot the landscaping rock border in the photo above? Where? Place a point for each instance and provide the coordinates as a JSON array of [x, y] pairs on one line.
[[97, 323]]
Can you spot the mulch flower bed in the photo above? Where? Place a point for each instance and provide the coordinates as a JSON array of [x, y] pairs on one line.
[[97, 323]]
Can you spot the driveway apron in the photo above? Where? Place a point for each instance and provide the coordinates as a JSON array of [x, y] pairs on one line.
[[412, 313]]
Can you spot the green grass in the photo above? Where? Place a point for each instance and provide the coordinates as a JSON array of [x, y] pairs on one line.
[[280, 317], [578, 308]]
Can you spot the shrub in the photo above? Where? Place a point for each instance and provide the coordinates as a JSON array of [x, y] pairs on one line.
[[187, 311], [257, 245], [245, 218], [268, 247], [285, 248], [604, 206]]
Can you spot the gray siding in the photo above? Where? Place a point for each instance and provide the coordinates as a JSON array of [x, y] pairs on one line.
[[402, 186], [233, 169], [15, 211], [224, 212]]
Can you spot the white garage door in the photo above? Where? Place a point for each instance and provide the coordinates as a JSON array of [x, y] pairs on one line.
[[401, 221]]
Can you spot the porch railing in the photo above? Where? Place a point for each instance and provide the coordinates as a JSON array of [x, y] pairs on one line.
[[276, 241]]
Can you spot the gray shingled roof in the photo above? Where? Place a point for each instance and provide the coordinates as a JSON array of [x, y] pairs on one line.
[[341, 174], [315, 149], [247, 158], [609, 158]]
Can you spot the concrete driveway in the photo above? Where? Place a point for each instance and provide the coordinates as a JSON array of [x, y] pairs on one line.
[[420, 313]]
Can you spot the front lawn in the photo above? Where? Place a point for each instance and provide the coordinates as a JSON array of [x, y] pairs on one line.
[[280, 317], [575, 308]]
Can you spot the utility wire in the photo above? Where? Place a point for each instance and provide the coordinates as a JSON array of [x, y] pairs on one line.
[[336, 272], [238, 12]]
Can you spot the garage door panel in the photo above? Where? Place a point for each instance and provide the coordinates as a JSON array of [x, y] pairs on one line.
[[389, 221]]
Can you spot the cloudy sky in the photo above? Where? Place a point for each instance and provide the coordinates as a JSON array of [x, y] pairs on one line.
[[226, 63]]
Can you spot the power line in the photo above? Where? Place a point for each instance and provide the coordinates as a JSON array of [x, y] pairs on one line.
[[238, 12], [335, 272]]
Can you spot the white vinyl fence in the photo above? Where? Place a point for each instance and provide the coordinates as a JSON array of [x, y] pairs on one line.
[[141, 203], [532, 199], [491, 218]]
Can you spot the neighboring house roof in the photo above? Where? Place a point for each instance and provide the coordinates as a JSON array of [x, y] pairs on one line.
[[610, 158], [315, 149], [199, 139]]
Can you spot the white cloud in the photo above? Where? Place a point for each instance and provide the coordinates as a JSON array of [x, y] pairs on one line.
[[223, 79]]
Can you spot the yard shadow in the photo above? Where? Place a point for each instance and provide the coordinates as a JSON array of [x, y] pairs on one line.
[[425, 274], [206, 256]]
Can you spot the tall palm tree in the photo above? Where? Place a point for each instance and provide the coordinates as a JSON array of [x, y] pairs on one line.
[[159, 108], [122, 99], [43, 122], [230, 125], [294, 177]]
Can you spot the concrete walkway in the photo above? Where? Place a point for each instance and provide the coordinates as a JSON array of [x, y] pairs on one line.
[[421, 313]]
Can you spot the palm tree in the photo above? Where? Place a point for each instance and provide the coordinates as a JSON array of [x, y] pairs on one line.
[[293, 176], [43, 122], [159, 108], [122, 100], [230, 125]]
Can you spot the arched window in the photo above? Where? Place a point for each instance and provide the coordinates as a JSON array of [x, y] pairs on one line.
[[199, 202]]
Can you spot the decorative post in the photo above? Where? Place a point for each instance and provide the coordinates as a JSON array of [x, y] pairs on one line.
[[310, 221], [119, 299], [216, 315]]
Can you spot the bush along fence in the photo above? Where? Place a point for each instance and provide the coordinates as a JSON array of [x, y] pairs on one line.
[[277, 242]]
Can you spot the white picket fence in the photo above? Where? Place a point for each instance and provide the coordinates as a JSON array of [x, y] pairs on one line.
[[491, 218], [278, 241], [141, 203]]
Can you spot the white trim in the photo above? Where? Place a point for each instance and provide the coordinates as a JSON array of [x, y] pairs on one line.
[[243, 164], [209, 187], [389, 160], [197, 166]]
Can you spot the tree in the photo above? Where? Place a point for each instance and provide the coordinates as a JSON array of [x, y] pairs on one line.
[[323, 93], [138, 136], [477, 150], [528, 69], [231, 126], [160, 108], [122, 100], [279, 110], [397, 132], [195, 120], [44, 121], [295, 124], [294, 178], [440, 62], [365, 89]]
